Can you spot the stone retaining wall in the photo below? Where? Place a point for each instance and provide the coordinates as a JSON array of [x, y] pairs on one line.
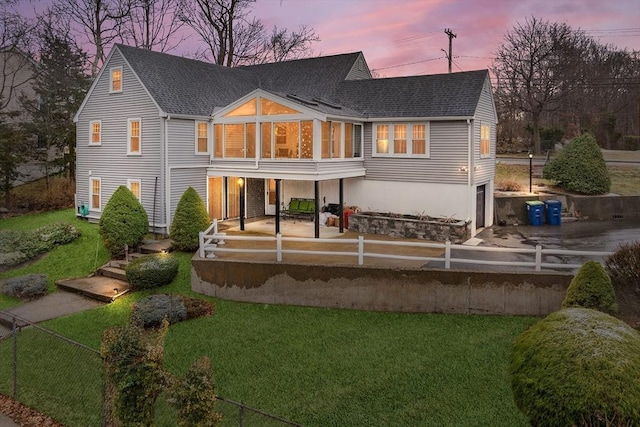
[[380, 289], [457, 232]]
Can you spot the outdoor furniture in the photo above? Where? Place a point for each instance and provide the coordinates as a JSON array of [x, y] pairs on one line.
[[300, 207]]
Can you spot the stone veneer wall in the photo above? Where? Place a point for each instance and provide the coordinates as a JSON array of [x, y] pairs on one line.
[[457, 232]]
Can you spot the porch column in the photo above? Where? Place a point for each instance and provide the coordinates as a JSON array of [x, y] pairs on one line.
[[316, 213], [241, 182], [278, 205], [341, 209]]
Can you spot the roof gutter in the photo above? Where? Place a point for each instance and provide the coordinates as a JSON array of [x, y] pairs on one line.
[[414, 119]]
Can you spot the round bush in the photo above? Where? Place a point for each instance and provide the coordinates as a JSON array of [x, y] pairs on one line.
[[591, 288], [151, 271], [577, 367], [123, 222], [152, 310], [189, 219], [580, 167]]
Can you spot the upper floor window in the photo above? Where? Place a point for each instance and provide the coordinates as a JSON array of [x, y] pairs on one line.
[[95, 193], [134, 185], [402, 140], [95, 132], [134, 137], [235, 140], [115, 79], [202, 138], [485, 140]]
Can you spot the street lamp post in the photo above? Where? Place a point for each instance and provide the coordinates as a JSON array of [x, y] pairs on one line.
[[241, 184], [530, 171]]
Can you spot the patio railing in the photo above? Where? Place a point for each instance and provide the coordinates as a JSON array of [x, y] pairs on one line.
[[538, 258]]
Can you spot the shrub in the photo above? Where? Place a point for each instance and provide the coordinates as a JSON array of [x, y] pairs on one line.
[[151, 271], [20, 246], [577, 367], [591, 288], [57, 234], [580, 167], [189, 219], [194, 396], [26, 287], [134, 372], [197, 307], [152, 310], [508, 185], [623, 267], [123, 222]]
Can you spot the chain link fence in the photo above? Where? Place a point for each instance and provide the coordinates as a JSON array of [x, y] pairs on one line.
[[64, 379]]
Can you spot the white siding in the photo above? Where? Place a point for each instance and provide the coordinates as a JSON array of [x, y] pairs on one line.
[[110, 161]]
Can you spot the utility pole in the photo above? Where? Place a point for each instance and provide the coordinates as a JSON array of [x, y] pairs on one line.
[[451, 37]]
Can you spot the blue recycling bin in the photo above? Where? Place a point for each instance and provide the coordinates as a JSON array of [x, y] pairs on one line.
[[535, 212], [554, 209]]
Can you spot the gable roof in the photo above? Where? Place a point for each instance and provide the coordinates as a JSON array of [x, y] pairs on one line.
[[437, 95]]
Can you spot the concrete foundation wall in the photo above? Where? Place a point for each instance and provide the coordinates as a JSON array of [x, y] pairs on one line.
[[378, 289]]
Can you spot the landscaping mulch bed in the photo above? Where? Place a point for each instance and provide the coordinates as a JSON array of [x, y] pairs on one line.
[[25, 416]]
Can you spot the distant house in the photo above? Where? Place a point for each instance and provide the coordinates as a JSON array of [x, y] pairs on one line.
[[318, 128]]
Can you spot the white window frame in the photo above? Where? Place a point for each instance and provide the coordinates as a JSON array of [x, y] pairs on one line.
[[197, 137], [129, 136], [135, 181], [111, 70], [91, 205], [488, 153], [409, 154], [91, 123]]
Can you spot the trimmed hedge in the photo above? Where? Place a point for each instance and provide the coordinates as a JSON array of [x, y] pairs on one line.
[[580, 167], [123, 222], [577, 367], [25, 287], [591, 288], [190, 218], [151, 271]]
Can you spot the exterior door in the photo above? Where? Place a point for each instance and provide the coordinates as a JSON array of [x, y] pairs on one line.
[[215, 200], [233, 197], [480, 206], [270, 196]]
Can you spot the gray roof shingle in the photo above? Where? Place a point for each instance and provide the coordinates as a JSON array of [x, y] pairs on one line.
[[186, 86]]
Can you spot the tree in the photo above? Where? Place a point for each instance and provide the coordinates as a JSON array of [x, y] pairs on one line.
[[97, 20], [153, 24], [189, 220], [14, 150], [123, 222], [234, 38], [528, 65], [60, 88]]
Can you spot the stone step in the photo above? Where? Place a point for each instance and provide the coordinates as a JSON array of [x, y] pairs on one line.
[[113, 272]]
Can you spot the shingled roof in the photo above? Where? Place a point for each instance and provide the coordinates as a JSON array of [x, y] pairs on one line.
[[439, 95], [186, 86]]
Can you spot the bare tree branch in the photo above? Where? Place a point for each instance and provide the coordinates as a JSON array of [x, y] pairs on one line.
[[153, 25]]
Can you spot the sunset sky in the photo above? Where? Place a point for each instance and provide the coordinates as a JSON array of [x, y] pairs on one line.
[[406, 37]]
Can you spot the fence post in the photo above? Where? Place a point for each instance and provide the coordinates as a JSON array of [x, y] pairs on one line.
[[538, 257], [14, 334], [447, 254], [360, 250], [241, 414], [279, 247], [201, 243]]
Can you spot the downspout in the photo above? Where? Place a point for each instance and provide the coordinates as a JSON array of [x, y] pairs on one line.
[[166, 173]]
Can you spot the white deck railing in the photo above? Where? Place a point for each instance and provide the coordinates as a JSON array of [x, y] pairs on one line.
[[211, 241]]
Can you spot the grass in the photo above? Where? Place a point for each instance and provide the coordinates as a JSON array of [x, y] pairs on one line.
[[625, 180], [314, 366]]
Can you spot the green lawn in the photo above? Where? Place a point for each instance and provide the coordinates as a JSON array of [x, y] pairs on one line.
[[315, 366]]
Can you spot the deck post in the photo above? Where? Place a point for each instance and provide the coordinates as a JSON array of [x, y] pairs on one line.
[[316, 213], [278, 206], [279, 247], [447, 254], [538, 257], [341, 202]]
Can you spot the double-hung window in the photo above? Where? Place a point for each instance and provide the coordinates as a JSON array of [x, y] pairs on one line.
[[95, 132], [135, 186], [202, 138], [401, 140], [115, 79], [134, 138], [95, 185]]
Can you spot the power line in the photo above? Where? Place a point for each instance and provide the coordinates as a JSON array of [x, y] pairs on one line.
[[408, 63]]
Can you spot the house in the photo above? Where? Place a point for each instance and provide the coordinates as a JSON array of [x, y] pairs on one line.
[[318, 128]]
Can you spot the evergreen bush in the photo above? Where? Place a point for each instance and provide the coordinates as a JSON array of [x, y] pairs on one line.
[[123, 222], [580, 167], [189, 220], [577, 367], [151, 271], [26, 287], [591, 288], [152, 310]]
